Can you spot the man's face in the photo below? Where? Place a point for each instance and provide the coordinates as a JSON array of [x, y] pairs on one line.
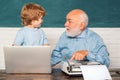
[[73, 25]]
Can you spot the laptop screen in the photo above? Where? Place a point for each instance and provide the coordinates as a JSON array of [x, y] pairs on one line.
[[27, 59]]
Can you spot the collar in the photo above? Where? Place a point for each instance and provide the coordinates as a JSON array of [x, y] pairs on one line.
[[33, 29], [83, 34]]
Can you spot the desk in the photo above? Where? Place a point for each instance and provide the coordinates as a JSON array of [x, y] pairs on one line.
[[56, 74]]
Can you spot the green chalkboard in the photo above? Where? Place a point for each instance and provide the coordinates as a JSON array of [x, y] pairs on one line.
[[102, 13]]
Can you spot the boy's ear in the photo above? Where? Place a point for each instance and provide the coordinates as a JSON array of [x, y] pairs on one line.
[[32, 22]]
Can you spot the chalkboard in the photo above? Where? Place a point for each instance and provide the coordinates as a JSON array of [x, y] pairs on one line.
[[102, 13]]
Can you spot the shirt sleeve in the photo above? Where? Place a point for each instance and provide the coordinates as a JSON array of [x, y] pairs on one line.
[[99, 53], [19, 38], [44, 38], [56, 56]]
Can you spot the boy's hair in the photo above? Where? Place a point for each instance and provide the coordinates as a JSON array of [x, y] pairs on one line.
[[31, 12]]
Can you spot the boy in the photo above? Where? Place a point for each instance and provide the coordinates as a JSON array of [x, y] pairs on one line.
[[31, 34]]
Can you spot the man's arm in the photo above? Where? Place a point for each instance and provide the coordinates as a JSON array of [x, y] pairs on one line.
[[99, 54], [56, 57]]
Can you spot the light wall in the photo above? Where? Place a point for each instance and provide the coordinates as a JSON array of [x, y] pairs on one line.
[[110, 36]]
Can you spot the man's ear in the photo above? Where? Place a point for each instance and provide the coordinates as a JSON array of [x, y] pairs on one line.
[[82, 27]]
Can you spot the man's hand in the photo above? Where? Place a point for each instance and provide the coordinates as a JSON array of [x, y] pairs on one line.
[[79, 55]]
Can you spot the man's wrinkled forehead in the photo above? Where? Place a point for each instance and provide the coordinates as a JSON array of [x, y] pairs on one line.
[[72, 17]]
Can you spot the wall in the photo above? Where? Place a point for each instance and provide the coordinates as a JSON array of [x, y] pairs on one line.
[[102, 13], [110, 36]]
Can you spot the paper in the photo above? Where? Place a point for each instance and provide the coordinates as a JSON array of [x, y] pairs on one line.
[[95, 72]]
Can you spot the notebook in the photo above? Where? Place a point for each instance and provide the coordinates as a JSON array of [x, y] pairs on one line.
[[27, 59]]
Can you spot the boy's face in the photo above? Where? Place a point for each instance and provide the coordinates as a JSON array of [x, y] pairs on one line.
[[37, 23]]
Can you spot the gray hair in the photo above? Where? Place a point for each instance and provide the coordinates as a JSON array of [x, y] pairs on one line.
[[84, 18]]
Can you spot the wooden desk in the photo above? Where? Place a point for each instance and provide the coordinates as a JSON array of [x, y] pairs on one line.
[[56, 74]]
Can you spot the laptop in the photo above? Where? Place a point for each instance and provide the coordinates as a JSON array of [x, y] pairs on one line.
[[27, 59]]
